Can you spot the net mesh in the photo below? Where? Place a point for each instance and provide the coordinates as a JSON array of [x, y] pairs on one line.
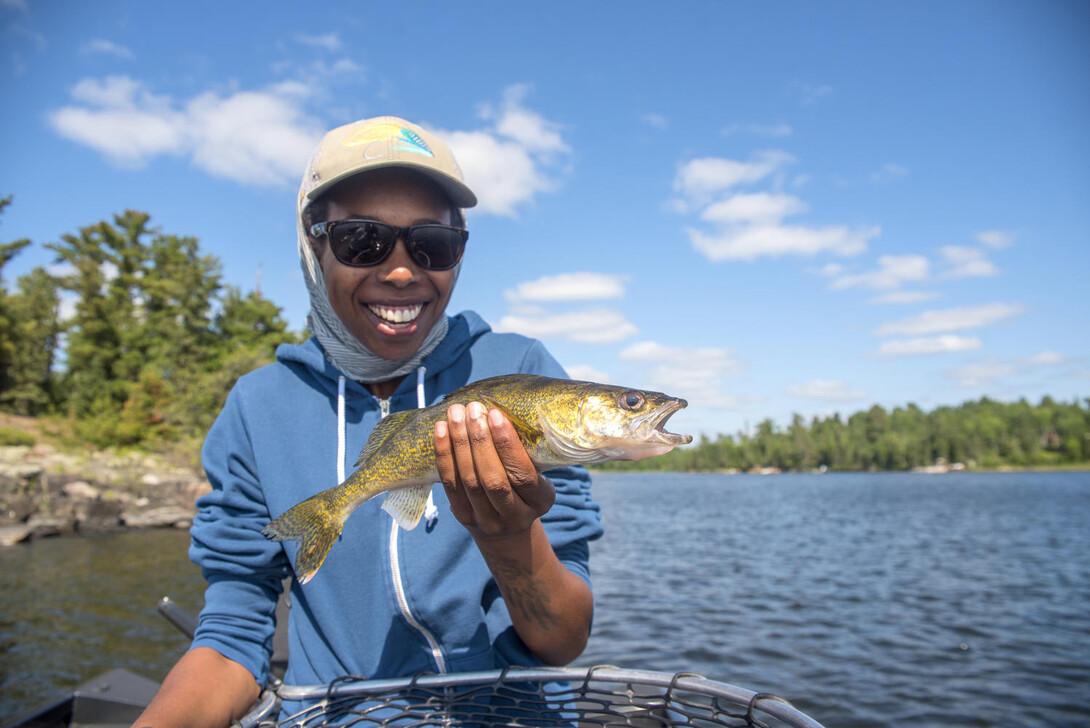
[[585, 697]]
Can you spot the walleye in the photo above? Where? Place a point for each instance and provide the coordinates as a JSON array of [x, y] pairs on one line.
[[559, 421]]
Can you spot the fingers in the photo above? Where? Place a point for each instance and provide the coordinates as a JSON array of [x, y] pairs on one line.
[[490, 480], [444, 463], [530, 486]]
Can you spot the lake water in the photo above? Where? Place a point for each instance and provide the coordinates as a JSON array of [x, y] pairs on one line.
[[866, 600]]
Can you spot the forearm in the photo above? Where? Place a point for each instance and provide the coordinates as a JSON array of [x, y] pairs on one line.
[[204, 689], [550, 607]]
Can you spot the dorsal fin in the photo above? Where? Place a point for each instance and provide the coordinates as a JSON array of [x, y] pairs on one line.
[[387, 426]]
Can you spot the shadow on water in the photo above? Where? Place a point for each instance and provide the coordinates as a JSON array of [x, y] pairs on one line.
[[72, 608]]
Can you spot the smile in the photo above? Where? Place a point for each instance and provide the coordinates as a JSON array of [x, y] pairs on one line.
[[396, 314]]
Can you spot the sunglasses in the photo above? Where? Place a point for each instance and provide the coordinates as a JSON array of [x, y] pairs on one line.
[[361, 243]]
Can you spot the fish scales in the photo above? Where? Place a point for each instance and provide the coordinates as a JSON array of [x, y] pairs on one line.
[[558, 421]]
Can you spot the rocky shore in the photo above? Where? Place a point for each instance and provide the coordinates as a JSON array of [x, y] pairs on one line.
[[44, 492]]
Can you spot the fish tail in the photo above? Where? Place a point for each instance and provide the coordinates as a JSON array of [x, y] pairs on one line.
[[316, 524]]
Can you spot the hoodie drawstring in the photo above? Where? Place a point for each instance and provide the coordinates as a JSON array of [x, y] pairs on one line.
[[340, 429], [431, 513]]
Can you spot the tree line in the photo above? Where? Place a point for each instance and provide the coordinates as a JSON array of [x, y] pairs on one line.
[[983, 434], [132, 336]]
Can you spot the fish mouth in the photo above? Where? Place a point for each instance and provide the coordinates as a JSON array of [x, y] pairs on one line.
[[658, 419]]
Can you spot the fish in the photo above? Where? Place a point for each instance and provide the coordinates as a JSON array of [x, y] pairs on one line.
[[559, 422]]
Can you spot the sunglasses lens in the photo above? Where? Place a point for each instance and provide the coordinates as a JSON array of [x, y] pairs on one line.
[[361, 242], [437, 247]]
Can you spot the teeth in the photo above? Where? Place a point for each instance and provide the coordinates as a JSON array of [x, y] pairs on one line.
[[398, 314]]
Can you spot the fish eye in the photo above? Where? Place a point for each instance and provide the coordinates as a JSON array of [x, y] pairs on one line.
[[630, 400]]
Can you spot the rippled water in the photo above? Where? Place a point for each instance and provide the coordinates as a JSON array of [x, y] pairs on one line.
[[866, 600], [892, 599]]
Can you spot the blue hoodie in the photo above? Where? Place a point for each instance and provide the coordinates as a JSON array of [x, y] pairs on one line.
[[386, 602]]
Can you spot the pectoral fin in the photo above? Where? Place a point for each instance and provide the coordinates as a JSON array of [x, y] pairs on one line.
[[527, 431], [406, 505]]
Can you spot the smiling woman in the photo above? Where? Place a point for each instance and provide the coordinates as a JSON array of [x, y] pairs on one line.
[[500, 574]]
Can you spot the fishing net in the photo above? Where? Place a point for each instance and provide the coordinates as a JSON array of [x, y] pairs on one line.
[[539, 698]]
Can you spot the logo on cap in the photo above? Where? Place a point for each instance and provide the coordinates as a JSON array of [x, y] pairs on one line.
[[403, 139]]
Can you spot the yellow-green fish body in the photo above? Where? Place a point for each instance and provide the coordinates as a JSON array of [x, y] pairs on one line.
[[559, 421]]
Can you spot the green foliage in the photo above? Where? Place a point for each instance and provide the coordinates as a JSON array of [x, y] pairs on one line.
[[7, 325], [986, 434], [11, 437], [35, 330], [154, 342]]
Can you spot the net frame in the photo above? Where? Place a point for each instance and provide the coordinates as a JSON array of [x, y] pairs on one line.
[[588, 697]]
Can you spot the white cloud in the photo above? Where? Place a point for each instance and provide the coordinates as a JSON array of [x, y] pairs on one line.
[[531, 130], [260, 138], [14, 4], [764, 130], [1048, 358], [656, 121], [753, 208], [967, 262], [99, 45], [700, 179], [823, 389], [978, 375], [593, 326], [587, 373], [250, 137], [929, 345], [749, 243], [328, 41], [122, 120], [511, 161], [892, 272], [811, 93], [695, 373], [954, 319], [995, 238], [905, 297], [888, 173], [569, 287], [264, 137], [746, 226]]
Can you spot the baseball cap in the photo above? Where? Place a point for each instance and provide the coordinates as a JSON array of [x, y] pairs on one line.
[[384, 141]]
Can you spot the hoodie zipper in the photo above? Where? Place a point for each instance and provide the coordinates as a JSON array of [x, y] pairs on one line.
[[399, 587]]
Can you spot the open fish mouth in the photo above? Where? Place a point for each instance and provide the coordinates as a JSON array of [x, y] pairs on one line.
[[659, 418]]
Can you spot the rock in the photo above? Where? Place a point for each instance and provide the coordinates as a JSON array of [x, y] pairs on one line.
[[150, 479], [193, 491], [21, 471], [44, 526], [11, 535], [159, 517], [17, 508], [82, 490]]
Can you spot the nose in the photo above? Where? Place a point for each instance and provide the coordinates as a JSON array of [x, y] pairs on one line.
[[398, 269]]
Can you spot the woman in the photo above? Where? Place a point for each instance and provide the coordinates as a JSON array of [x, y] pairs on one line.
[[497, 576]]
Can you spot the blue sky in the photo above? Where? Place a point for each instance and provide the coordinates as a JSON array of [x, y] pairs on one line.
[[767, 208]]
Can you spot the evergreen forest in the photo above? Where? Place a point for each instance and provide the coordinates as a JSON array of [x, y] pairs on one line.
[[132, 339]]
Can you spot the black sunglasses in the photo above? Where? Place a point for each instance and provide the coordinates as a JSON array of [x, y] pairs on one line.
[[360, 243]]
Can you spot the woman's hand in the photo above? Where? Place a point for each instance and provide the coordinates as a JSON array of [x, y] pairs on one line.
[[498, 495], [493, 488]]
